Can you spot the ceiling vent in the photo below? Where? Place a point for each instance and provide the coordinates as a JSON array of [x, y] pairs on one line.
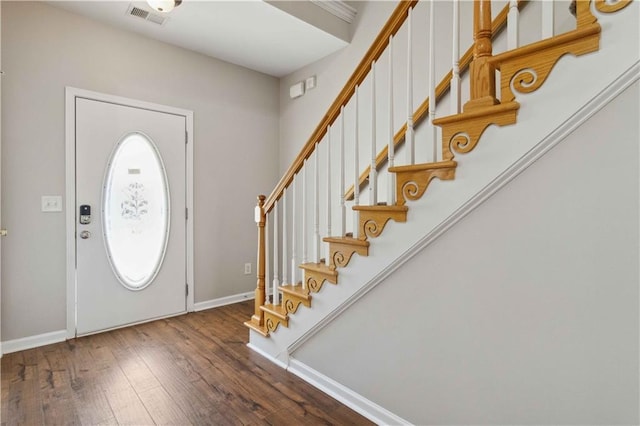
[[146, 15]]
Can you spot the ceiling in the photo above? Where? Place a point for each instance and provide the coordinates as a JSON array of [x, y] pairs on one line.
[[252, 33]]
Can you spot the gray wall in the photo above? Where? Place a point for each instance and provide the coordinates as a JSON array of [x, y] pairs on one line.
[[526, 312], [45, 49]]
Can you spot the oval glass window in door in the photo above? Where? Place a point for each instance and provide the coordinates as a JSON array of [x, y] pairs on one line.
[[135, 211]]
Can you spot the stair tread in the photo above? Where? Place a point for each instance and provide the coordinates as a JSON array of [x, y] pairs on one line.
[[480, 112], [346, 240], [276, 310], [381, 208], [261, 330], [296, 290], [423, 166], [319, 267]]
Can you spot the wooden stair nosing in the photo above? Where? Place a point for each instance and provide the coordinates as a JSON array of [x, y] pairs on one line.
[[349, 241], [391, 209], [320, 268], [476, 113], [296, 291], [275, 310], [423, 166], [260, 330]]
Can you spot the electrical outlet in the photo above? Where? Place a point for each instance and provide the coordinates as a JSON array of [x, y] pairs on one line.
[[247, 268]]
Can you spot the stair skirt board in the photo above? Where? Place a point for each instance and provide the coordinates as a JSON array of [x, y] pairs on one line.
[[341, 393], [223, 301], [595, 104], [30, 342]]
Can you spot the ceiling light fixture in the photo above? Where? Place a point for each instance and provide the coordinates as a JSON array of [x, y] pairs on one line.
[[164, 6]]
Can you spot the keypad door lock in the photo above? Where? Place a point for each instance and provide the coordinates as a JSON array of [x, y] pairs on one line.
[[85, 214]]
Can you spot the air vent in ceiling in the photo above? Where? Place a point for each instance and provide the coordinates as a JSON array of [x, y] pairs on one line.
[[146, 15]]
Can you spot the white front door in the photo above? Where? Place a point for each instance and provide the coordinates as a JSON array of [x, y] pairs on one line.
[[130, 214]]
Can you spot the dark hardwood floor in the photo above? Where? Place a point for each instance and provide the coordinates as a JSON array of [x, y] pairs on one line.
[[192, 369]]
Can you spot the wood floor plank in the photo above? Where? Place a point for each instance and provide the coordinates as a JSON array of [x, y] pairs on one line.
[[162, 407], [55, 386], [193, 369], [90, 402]]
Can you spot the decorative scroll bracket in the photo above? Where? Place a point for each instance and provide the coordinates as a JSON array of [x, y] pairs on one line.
[[315, 274], [526, 69], [462, 131], [374, 218], [412, 181], [293, 297], [342, 249], [274, 316]]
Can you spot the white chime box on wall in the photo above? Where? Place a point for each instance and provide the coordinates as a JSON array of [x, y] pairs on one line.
[[296, 90]]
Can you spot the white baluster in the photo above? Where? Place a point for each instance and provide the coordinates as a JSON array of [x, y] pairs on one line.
[[373, 171], [547, 19], [328, 189], [513, 18], [356, 168], [267, 258], [455, 76], [343, 213], [303, 212], [432, 79], [293, 232], [409, 134], [392, 148], [284, 237], [316, 207], [276, 282]]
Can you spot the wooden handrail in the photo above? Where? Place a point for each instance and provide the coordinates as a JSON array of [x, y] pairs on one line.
[[391, 27], [442, 88]]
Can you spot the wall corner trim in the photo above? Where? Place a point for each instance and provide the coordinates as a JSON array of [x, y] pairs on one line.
[[31, 342], [223, 301], [348, 397], [599, 101]]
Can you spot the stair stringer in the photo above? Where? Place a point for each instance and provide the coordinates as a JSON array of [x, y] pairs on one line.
[[546, 116]]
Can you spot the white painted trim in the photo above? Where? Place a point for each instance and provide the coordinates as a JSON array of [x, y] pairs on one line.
[[70, 208], [598, 102], [343, 394], [71, 93], [276, 361], [337, 8], [223, 301], [34, 341], [191, 280], [346, 396]]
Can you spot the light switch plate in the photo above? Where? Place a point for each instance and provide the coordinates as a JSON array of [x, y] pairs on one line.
[[310, 83], [51, 203]]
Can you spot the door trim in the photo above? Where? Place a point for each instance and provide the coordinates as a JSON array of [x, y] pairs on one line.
[[71, 93]]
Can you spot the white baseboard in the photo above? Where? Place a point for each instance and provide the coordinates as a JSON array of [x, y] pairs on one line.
[[222, 301], [31, 342], [346, 396], [274, 360]]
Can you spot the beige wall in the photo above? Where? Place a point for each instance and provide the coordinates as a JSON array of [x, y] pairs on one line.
[[45, 49]]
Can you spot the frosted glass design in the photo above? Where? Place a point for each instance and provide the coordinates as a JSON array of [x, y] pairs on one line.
[[135, 207]]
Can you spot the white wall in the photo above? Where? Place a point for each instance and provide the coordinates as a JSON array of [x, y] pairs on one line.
[[45, 49], [526, 312]]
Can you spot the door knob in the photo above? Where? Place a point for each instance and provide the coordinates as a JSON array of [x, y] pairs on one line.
[[3, 232], [85, 234]]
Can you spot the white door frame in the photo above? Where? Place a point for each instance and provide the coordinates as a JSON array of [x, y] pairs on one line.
[[71, 93]]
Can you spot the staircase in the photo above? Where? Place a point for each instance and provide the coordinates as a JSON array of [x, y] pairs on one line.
[[496, 83]]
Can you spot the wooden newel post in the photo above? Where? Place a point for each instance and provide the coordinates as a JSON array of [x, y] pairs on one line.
[[260, 295], [483, 73]]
